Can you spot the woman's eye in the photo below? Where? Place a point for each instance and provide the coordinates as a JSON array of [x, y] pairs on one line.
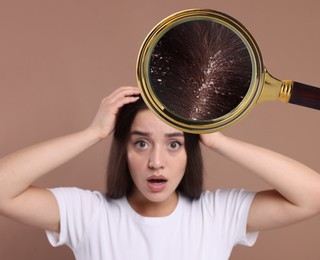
[[174, 145], [141, 144]]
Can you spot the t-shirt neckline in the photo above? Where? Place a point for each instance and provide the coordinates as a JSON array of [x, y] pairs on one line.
[[144, 219]]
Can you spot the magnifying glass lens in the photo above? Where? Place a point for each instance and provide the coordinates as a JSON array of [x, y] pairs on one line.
[[200, 70]]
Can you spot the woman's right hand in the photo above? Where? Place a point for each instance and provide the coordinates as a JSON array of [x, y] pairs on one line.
[[103, 123]]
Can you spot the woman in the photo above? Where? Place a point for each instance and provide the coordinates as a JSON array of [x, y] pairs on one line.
[[154, 208]]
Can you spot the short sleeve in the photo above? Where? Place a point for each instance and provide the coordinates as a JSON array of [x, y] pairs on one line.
[[77, 209], [231, 209]]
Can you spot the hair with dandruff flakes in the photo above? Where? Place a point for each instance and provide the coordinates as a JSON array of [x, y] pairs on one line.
[[200, 70]]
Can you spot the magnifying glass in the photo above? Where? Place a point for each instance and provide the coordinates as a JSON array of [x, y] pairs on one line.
[[201, 70]]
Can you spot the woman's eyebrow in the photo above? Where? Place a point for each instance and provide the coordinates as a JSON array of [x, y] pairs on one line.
[[177, 134], [140, 133]]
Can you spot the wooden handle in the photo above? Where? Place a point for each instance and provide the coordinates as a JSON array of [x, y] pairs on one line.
[[305, 95]]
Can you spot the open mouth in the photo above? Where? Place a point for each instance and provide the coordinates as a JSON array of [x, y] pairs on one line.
[[157, 183], [157, 180]]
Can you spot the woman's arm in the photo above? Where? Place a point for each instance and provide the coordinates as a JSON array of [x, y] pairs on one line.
[[296, 194], [36, 206]]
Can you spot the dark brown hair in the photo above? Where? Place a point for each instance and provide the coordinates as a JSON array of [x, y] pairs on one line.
[[119, 181], [200, 70]]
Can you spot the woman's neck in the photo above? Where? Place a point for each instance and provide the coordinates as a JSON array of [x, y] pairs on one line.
[[147, 208]]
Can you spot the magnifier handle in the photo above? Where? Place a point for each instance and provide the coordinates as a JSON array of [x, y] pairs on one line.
[[305, 95]]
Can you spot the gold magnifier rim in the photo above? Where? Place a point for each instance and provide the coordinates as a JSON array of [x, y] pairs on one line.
[[199, 126]]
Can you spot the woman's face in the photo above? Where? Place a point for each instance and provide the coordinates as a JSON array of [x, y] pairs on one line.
[[156, 158]]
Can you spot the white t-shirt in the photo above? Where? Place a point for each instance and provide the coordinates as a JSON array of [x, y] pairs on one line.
[[96, 228]]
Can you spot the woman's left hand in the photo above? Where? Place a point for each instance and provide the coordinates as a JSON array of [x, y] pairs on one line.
[[211, 140]]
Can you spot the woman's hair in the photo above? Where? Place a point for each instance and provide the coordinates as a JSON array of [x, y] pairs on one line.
[[119, 181], [200, 70]]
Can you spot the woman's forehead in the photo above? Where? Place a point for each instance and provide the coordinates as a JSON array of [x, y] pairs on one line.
[[147, 121]]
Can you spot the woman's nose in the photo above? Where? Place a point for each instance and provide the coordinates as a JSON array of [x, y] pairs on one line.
[[156, 160]]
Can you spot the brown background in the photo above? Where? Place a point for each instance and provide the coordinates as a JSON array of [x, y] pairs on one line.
[[59, 58]]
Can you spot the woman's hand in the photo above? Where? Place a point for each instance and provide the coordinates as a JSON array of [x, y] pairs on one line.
[[104, 120], [212, 140]]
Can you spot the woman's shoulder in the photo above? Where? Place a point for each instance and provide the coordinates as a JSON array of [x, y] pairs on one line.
[[90, 198], [228, 194], [221, 197], [78, 195]]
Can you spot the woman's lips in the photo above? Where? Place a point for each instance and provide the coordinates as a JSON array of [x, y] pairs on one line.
[[157, 183]]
